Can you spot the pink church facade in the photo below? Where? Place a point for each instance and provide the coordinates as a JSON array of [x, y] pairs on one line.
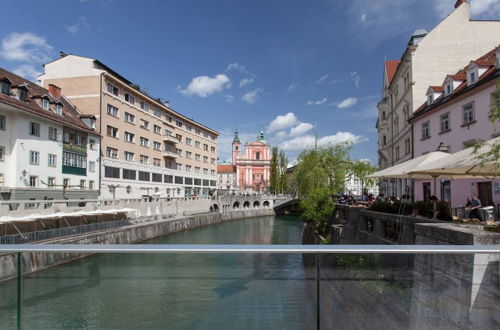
[[455, 115], [253, 164]]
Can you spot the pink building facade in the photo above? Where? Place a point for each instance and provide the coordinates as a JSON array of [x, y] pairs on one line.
[[252, 164], [456, 115]]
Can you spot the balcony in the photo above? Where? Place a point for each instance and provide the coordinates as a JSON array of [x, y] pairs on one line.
[[170, 154], [170, 139]]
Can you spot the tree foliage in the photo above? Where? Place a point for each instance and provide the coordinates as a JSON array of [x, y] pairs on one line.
[[361, 169], [319, 174], [274, 175], [493, 154]]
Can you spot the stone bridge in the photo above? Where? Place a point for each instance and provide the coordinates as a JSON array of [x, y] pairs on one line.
[[235, 202]]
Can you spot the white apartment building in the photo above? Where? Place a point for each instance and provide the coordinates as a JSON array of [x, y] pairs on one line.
[[226, 178], [428, 57], [148, 148], [47, 150]]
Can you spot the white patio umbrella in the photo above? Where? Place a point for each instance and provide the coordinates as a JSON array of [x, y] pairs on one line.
[[402, 171], [464, 164]]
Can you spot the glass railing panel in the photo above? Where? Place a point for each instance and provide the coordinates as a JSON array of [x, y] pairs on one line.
[[174, 291], [251, 289], [9, 292]]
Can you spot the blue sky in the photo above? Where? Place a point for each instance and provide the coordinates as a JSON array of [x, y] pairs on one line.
[[281, 66]]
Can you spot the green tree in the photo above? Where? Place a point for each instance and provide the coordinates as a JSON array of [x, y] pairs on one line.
[[361, 169], [274, 175], [283, 178], [318, 175], [493, 154]]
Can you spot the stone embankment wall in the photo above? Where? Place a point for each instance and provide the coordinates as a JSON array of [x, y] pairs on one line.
[[459, 291], [419, 291], [142, 231]]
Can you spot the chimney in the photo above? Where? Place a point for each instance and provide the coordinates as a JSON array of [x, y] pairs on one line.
[[55, 91], [459, 2]]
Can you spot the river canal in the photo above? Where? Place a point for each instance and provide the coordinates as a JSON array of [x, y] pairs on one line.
[[174, 291]]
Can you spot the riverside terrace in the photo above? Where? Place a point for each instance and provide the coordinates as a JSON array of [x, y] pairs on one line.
[[27, 221]]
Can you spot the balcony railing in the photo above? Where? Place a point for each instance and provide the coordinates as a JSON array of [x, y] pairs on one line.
[[170, 138], [327, 287], [170, 154]]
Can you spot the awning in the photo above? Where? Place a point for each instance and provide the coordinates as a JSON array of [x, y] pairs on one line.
[[34, 217], [401, 171], [465, 164]]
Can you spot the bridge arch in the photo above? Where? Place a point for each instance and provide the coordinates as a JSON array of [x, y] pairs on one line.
[[246, 204], [236, 205], [215, 208], [266, 204], [256, 204]]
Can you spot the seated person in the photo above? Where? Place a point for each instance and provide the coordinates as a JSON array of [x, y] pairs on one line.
[[441, 209], [475, 205]]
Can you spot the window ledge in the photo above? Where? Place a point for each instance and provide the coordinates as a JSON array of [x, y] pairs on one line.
[[445, 131], [468, 124], [425, 138]]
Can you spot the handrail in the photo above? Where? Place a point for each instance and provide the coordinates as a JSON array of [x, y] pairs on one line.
[[236, 248]]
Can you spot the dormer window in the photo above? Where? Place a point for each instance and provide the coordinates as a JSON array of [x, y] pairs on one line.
[[449, 88], [23, 93], [430, 99], [45, 104], [5, 87], [59, 108], [472, 77]]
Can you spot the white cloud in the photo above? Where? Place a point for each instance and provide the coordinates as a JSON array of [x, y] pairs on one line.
[[355, 78], [349, 102], [251, 96], [27, 47], [236, 66], [27, 71], [308, 141], [82, 25], [485, 8], [283, 122], [318, 102], [280, 134], [204, 86], [245, 81], [229, 98], [405, 17], [293, 86], [321, 79], [300, 129]]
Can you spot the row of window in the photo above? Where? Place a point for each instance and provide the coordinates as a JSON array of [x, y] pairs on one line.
[[114, 172], [156, 112], [69, 159], [34, 182], [468, 118]]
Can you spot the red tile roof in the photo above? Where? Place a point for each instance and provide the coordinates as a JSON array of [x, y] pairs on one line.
[[487, 60], [226, 169], [70, 115], [391, 67], [437, 88]]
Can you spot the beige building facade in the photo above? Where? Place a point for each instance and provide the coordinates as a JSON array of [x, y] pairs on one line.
[[147, 147], [428, 58]]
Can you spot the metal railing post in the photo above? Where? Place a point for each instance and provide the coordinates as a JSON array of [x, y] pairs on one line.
[[19, 289], [318, 301]]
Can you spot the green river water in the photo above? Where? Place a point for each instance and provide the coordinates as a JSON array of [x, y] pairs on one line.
[[174, 291]]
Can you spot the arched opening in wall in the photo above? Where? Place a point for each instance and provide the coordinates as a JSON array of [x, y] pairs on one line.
[[215, 208], [246, 204], [256, 204], [211, 209], [265, 204], [236, 205]]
